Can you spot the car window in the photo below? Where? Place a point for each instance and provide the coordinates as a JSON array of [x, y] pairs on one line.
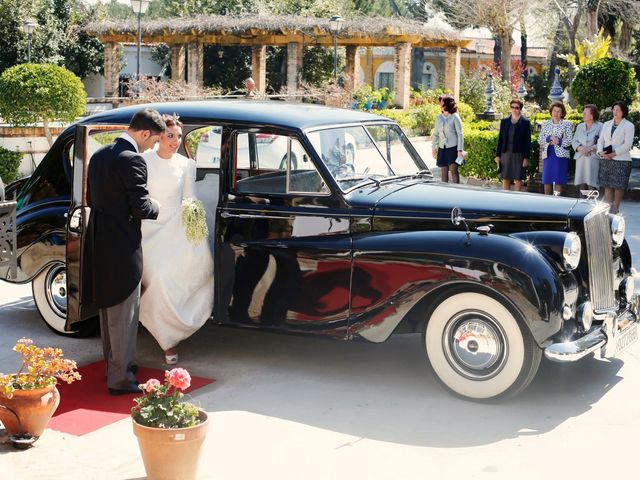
[[276, 163], [203, 145], [99, 138], [350, 155], [390, 142]]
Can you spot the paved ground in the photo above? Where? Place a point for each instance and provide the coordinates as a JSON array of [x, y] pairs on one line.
[[288, 407]]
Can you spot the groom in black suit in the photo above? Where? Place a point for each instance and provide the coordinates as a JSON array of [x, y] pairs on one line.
[[119, 200]]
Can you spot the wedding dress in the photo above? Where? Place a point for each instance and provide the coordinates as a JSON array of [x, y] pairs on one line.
[[177, 276]]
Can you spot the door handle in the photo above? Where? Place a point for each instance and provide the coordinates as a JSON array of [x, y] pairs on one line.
[[75, 222], [226, 214]]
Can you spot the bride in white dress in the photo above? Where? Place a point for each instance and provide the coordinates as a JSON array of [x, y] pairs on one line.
[[177, 276]]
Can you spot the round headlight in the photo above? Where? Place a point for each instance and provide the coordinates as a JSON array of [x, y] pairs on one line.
[[571, 251], [617, 230]]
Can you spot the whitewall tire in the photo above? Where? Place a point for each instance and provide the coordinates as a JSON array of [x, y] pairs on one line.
[[478, 349], [50, 296]]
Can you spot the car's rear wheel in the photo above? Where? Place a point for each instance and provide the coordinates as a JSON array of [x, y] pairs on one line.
[[50, 296], [478, 349]]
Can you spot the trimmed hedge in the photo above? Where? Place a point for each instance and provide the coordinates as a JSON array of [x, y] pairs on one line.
[[480, 146], [405, 118], [9, 165], [426, 118]]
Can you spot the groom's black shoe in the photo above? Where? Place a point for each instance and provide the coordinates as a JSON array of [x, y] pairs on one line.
[[127, 390]]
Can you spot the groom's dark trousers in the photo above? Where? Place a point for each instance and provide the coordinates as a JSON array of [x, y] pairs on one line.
[[119, 200]]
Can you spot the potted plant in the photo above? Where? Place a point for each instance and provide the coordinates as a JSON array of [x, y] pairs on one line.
[[363, 96], [29, 397], [168, 428], [385, 96]]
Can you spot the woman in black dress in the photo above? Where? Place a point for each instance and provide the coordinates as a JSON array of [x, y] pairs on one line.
[[514, 147]]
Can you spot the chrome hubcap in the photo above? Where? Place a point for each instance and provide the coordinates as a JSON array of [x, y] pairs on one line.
[[56, 289], [475, 345]]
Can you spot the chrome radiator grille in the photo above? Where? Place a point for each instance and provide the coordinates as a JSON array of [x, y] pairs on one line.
[[598, 237]]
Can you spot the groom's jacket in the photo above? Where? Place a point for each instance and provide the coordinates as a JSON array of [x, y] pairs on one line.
[[118, 197]]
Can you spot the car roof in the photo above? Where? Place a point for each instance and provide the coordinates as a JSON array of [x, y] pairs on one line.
[[273, 113]]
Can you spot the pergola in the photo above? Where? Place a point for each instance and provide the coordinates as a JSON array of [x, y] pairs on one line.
[[188, 36]]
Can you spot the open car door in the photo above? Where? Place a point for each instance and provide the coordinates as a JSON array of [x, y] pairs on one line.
[[88, 139]]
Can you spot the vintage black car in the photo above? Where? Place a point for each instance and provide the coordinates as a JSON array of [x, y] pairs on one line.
[[328, 222]]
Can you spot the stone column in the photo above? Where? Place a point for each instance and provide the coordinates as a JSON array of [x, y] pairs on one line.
[[452, 71], [195, 66], [178, 62], [259, 67], [368, 71], [351, 68], [293, 63], [111, 69], [402, 74]]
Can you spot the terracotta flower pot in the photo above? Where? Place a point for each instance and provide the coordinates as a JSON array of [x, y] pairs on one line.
[[171, 453], [29, 411]]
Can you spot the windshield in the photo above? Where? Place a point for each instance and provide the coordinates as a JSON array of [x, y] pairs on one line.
[[367, 153]]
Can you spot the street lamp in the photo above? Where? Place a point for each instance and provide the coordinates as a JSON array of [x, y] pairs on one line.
[[139, 7], [29, 26], [335, 25]]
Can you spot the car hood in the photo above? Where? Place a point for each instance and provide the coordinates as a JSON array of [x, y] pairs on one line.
[[437, 199]]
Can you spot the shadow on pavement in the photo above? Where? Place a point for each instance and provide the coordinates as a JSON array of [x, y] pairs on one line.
[[384, 391]]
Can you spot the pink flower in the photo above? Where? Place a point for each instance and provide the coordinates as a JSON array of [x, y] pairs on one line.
[[179, 378], [151, 384]]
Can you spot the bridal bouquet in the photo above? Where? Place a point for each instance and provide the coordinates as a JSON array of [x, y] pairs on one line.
[[194, 220]]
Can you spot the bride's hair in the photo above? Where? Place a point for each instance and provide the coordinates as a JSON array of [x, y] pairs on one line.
[[172, 120]]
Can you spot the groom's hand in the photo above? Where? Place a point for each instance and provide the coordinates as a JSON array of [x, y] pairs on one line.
[[157, 204]]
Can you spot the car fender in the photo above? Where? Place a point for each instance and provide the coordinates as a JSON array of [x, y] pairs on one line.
[[42, 239], [405, 267]]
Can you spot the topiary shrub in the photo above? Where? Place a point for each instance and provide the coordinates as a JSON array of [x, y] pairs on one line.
[[30, 93], [604, 82], [9, 165]]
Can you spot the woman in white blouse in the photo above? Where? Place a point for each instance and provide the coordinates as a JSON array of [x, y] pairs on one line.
[[585, 144], [614, 147]]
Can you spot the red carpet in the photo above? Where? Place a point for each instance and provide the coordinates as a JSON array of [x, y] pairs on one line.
[[86, 405]]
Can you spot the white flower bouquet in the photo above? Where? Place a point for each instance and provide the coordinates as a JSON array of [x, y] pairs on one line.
[[194, 220]]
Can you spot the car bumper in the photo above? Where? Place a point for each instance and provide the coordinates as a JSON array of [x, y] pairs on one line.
[[611, 337]]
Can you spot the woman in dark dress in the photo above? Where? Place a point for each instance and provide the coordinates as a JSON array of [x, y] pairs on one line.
[[514, 147]]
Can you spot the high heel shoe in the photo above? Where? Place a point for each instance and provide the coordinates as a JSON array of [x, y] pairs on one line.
[[171, 359]]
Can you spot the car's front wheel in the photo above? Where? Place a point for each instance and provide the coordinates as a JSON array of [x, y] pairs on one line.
[[478, 349], [50, 296]]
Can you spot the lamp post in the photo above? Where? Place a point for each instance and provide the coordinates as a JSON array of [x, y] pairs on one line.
[[29, 26], [139, 7], [335, 25]]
